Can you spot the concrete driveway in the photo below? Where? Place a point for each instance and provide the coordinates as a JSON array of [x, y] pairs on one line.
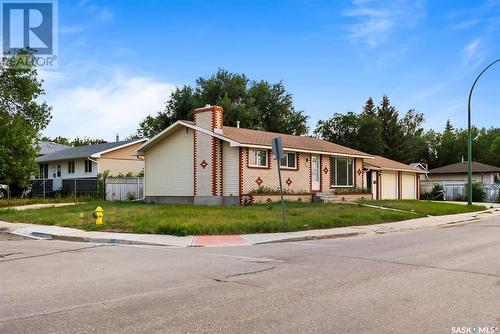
[[424, 281]]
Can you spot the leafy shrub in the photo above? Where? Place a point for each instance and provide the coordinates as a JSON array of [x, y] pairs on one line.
[[346, 191], [436, 194], [130, 196], [478, 193], [101, 184]]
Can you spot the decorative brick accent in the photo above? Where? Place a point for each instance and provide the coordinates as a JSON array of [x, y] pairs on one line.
[[259, 181], [204, 164], [325, 170], [288, 182]]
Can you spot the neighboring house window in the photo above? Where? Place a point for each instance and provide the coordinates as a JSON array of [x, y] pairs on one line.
[[71, 167], [88, 166], [44, 171], [343, 172], [58, 170], [289, 160], [257, 158]]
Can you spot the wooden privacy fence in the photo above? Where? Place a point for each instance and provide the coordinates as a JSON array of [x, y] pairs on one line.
[[455, 191], [124, 188]]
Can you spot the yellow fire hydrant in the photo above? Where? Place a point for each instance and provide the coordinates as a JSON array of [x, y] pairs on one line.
[[98, 214]]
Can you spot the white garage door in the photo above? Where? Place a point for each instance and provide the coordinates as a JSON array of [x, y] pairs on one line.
[[389, 185], [408, 190]]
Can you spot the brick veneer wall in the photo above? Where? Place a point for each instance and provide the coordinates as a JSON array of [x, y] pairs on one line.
[[293, 180]]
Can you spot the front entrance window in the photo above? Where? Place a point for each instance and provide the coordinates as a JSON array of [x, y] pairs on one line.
[[343, 172]]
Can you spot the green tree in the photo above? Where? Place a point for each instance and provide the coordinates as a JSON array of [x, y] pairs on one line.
[[75, 142], [379, 131], [255, 104], [22, 117]]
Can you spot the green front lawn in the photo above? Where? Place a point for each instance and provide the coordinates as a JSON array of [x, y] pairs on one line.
[[5, 203], [137, 217], [425, 207]]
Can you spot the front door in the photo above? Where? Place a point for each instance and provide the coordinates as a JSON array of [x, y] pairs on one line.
[[315, 173], [57, 180]]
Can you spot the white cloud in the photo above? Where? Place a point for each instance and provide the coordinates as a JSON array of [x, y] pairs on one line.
[[112, 104], [375, 20], [473, 53]]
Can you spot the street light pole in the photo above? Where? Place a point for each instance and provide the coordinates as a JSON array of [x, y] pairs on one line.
[[469, 140]]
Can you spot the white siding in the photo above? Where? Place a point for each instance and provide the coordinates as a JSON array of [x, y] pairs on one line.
[[79, 169], [389, 185], [408, 190], [231, 172], [169, 166], [486, 178]]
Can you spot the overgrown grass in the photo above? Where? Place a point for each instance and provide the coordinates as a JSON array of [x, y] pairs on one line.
[[137, 217], [426, 207], [5, 203]]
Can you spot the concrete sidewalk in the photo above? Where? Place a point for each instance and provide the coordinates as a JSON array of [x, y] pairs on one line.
[[70, 234]]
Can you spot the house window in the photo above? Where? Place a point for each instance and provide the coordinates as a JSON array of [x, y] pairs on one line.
[[88, 166], [343, 172], [44, 171], [58, 170], [71, 167], [257, 158], [289, 160]]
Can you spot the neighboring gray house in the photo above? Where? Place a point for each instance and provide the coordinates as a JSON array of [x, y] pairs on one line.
[[47, 147], [78, 166]]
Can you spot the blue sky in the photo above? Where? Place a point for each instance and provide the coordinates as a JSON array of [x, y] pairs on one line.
[[119, 60]]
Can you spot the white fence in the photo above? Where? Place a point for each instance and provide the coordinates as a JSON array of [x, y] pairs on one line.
[[455, 191], [124, 188]]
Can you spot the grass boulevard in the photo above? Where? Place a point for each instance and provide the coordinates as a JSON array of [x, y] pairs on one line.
[[181, 220]]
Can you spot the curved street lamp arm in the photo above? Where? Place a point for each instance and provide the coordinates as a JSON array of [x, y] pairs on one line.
[[469, 140]]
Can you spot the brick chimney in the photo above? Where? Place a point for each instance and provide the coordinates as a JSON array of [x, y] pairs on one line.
[[209, 117], [208, 155]]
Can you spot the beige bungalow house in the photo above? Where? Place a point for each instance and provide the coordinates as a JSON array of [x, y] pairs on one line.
[[389, 179], [205, 162]]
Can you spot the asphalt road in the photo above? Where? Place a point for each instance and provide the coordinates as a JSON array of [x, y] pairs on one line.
[[427, 281]]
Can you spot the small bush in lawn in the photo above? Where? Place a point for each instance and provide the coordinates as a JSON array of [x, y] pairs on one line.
[[130, 196]]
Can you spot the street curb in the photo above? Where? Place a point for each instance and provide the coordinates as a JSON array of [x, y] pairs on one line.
[[47, 236], [312, 237]]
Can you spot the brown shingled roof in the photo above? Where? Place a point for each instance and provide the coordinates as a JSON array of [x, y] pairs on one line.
[[264, 138], [388, 164], [461, 167]]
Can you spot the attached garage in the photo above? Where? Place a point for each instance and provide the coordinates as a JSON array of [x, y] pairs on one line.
[[389, 179], [409, 186], [389, 183]]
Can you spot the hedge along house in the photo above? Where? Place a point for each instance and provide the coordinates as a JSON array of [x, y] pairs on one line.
[[205, 162], [62, 170], [389, 179]]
